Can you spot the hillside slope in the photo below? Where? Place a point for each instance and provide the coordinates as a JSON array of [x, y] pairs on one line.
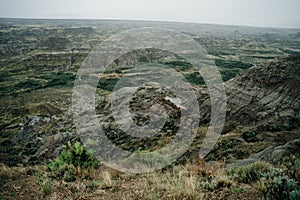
[[264, 98]]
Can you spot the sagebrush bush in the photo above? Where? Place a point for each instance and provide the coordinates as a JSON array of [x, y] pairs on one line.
[[250, 173], [280, 186], [291, 165], [295, 195], [73, 159]]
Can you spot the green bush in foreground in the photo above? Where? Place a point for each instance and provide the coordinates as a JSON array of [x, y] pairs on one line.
[[273, 183], [250, 173], [280, 186], [73, 159]]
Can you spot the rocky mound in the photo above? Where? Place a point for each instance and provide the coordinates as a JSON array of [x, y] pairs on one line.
[[266, 95], [272, 154]]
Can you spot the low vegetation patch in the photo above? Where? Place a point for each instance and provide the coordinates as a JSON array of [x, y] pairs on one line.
[[74, 161], [232, 64], [250, 173], [271, 182]]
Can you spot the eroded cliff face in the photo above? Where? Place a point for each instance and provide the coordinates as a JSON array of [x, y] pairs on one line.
[[266, 96], [263, 105]]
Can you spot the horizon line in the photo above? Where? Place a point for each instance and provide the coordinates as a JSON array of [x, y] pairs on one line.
[[146, 20]]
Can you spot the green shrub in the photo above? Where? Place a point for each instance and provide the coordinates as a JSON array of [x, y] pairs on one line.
[[59, 79], [227, 73], [232, 64], [291, 165], [45, 184], [251, 136], [280, 186], [220, 53], [73, 159], [294, 195], [207, 185], [195, 78], [179, 65], [29, 83], [250, 173], [107, 83], [47, 188]]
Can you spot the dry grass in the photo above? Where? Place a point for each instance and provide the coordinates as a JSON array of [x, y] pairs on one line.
[[190, 181], [183, 182], [107, 179], [5, 172]]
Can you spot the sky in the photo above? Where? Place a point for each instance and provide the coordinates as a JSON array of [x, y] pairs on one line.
[[265, 13]]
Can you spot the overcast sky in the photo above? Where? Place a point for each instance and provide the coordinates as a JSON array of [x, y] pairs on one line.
[[270, 13]]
